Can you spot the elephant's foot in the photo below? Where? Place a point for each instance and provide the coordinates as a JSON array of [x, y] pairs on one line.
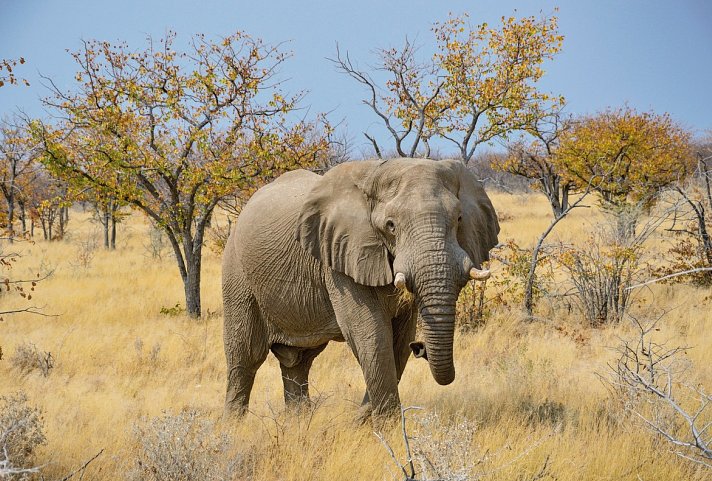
[[234, 412], [364, 413]]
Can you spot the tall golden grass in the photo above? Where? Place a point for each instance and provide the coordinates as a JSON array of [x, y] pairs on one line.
[[532, 389]]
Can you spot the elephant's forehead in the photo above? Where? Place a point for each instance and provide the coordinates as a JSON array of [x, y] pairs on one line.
[[413, 176]]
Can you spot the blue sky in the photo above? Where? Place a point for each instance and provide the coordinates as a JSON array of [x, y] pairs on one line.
[[651, 54]]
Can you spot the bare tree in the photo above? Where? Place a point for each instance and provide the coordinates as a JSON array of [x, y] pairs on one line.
[[532, 159], [691, 222], [408, 79]]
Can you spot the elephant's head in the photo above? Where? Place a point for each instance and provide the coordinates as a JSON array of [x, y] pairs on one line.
[[424, 225]]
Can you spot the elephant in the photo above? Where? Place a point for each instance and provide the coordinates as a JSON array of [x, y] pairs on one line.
[[360, 254]]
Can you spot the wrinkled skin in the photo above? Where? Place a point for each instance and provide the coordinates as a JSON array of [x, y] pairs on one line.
[[312, 259]]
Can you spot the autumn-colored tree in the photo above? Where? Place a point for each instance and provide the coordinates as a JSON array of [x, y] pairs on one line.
[[172, 133], [625, 155], [532, 157], [48, 201], [479, 85], [18, 155]]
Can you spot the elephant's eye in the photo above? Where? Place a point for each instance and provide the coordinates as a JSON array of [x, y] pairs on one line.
[[390, 226], [459, 219]]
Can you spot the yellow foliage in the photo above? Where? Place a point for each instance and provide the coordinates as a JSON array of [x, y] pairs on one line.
[[625, 155]]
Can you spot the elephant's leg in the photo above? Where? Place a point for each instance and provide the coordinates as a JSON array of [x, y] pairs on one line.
[[403, 334], [295, 364], [246, 345], [368, 332]]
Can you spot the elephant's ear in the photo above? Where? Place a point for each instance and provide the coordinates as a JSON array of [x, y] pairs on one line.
[[479, 227], [335, 226]]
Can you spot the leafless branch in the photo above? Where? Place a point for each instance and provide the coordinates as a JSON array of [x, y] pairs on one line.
[[647, 376], [670, 276]]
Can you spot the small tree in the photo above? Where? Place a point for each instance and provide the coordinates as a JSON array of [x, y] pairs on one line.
[[107, 210], [173, 133], [479, 85], [626, 156], [48, 201], [532, 157], [18, 155]]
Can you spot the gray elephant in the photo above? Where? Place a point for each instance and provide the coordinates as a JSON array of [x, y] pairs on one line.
[[314, 259]]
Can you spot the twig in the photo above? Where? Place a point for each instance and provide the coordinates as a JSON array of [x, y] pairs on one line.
[[669, 276], [83, 467]]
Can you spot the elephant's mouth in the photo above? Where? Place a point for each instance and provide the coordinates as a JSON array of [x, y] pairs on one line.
[[418, 349]]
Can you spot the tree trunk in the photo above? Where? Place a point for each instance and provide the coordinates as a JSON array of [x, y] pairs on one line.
[[105, 225], [114, 210], [113, 233], [189, 265], [565, 190], [705, 237], [61, 223], [10, 215], [191, 284], [23, 218]]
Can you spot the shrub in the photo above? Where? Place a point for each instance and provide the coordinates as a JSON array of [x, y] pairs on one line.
[[21, 432], [602, 269], [656, 383], [445, 450], [28, 358], [183, 447]]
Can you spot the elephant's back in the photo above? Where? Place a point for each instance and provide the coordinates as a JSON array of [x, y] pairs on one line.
[[274, 208], [286, 281]]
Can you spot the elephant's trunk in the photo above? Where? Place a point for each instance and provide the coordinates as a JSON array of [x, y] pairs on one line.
[[435, 268], [438, 283], [439, 330]]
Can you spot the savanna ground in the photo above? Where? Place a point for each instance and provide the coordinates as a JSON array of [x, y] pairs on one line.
[[528, 395]]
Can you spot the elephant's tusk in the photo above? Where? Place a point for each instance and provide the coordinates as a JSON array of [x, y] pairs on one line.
[[399, 281], [479, 274]]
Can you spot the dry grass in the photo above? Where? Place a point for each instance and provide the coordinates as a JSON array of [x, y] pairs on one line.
[[530, 390]]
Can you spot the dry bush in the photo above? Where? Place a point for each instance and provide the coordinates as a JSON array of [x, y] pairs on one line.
[[184, 447], [655, 383], [471, 306], [21, 433], [687, 262], [516, 262], [446, 450], [479, 301], [157, 245], [86, 250], [691, 251], [604, 267], [28, 358], [151, 359]]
